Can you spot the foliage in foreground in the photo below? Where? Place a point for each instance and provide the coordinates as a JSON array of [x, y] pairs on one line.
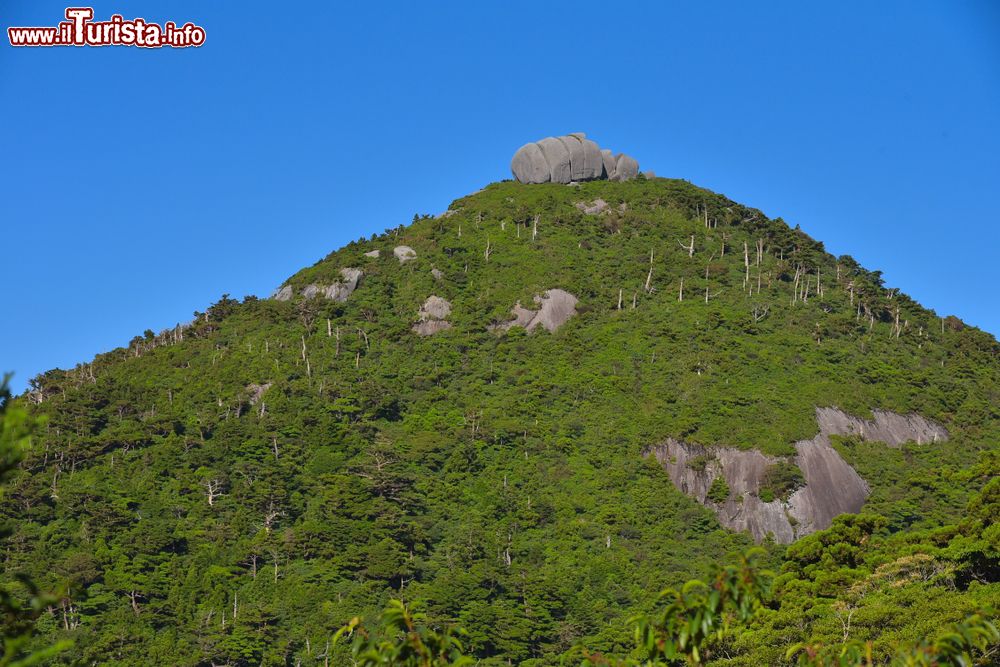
[[682, 632], [21, 603]]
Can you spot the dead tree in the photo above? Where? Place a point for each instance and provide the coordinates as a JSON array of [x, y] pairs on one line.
[[746, 264], [213, 489], [649, 277], [689, 247], [759, 312]]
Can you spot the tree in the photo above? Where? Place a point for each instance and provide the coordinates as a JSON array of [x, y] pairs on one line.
[[20, 604]]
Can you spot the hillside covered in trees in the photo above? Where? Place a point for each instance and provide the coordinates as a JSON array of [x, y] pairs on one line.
[[467, 419]]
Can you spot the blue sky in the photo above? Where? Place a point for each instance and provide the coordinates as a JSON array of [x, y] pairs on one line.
[[140, 185]]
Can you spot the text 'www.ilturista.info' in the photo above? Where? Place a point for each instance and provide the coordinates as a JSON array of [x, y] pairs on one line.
[[81, 30]]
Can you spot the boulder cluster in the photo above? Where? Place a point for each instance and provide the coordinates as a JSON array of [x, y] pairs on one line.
[[570, 158]]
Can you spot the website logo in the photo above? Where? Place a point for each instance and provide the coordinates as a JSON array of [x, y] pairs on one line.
[[79, 29]]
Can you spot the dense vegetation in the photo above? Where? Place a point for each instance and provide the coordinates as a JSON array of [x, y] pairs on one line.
[[233, 491]]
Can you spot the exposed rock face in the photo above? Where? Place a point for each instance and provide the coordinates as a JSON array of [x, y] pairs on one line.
[[404, 253], [567, 159], [257, 391], [311, 290], [888, 427], [625, 168], [609, 164], [433, 316], [340, 291], [556, 306], [373, 253], [832, 487], [437, 273], [593, 208]]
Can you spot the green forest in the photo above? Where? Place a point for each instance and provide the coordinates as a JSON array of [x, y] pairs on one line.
[[307, 481]]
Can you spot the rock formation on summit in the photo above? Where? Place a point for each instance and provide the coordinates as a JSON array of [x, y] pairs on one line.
[[568, 159]]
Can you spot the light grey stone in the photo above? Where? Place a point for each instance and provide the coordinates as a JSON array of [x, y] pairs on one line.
[[529, 165], [372, 253], [609, 164], [312, 290], [437, 273], [593, 208], [433, 316], [284, 294], [592, 160], [555, 308], [568, 159], [626, 168], [577, 157], [435, 308], [404, 253], [340, 291], [557, 158], [832, 487]]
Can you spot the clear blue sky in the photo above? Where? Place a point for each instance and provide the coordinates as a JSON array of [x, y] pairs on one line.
[[140, 185]]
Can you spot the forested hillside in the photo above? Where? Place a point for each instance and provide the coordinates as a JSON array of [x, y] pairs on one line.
[[234, 490]]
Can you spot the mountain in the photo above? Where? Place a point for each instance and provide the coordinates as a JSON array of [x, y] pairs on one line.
[[531, 413]]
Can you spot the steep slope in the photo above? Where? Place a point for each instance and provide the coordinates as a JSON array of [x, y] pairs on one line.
[[388, 425]]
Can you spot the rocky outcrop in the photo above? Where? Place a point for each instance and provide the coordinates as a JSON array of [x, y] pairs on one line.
[[568, 159], [404, 253], [433, 316], [555, 307], [338, 291], [373, 253], [593, 208], [257, 391], [349, 282], [832, 487], [889, 427]]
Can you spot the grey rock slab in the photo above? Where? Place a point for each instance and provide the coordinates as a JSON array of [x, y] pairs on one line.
[[626, 168], [593, 208], [435, 308], [577, 157], [609, 164], [529, 165], [832, 487], [593, 160], [556, 308], [284, 294], [404, 253], [557, 158], [350, 277], [372, 253]]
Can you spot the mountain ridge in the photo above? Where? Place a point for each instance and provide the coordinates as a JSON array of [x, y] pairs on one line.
[[495, 472]]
